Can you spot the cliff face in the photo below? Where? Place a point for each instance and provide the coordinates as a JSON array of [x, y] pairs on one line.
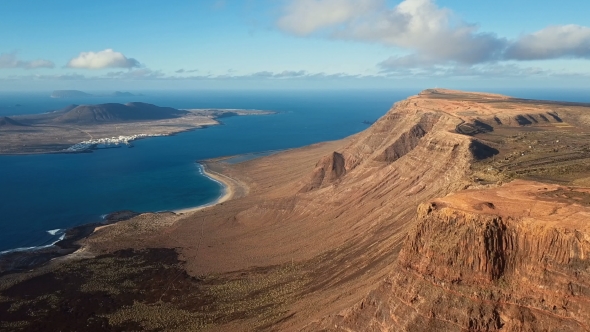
[[486, 260], [403, 131], [351, 211], [328, 170]]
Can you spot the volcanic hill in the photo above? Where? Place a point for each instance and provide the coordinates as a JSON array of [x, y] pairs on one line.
[[113, 112], [454, 211], [8, 122]]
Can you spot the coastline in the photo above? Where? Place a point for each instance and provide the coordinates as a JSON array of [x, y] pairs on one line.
[[109, 134], [93, 149], [68, 245], [229, 188], [16, 260]]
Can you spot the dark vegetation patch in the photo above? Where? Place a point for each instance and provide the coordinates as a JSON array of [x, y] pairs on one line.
[[568, 196], [476, 127], [146, 290], [20, 261], [557, 155]]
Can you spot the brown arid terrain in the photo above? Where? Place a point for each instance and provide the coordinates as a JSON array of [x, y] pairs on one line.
[[454, 211]]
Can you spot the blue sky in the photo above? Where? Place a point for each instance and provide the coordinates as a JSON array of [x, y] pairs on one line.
[[260, 44]]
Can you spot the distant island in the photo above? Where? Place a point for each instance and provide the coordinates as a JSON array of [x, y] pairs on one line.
[[82, 94], [77, 128]]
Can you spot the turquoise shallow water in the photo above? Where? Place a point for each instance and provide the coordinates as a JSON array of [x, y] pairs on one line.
[[41, 193]]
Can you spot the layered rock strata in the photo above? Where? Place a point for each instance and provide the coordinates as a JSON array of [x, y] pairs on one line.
[[510, 259]]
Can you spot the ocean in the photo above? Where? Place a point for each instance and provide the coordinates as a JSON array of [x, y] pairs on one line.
[[42, 195]]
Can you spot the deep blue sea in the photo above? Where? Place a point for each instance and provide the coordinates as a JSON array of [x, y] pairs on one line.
[[43, 193]]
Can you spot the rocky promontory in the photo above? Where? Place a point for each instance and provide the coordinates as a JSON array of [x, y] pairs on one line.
[[511, 258]]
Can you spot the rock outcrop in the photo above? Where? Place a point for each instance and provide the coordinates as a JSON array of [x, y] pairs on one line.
[[506, 259], [328, 170]]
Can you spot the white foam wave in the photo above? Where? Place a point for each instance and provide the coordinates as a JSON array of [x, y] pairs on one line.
[[63, 236], [54, 231]]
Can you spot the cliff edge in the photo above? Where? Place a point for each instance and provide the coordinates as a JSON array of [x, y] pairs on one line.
[[513, 258]]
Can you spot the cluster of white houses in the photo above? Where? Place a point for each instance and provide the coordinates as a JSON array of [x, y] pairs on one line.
[[103, 143]]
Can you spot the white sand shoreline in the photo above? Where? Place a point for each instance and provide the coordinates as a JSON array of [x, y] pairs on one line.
[[227, 187], [228, 192]]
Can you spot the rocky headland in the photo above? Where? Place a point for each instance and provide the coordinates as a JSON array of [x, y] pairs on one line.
[[454, 211]]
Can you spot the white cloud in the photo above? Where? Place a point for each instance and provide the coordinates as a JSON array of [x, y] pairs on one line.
[[103, 59], [39, 63], [182, 70], [303, 17], [431, 32], [56, 77], [10, 60], [431, 35], [283, 74], [488, 71], [143, 73], [565, 41]]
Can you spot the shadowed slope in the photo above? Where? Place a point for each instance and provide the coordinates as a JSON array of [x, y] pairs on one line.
[[8, 122]]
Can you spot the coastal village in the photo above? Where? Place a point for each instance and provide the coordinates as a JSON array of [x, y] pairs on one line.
[[105, 143]]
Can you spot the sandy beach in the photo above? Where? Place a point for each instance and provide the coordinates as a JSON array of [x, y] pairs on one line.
[[230, 186]]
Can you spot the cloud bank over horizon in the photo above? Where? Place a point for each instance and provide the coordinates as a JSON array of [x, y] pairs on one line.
[[102, 59], [10, 60], [432, 35]]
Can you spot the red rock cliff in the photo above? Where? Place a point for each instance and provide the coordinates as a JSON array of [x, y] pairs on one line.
[[511, 258]]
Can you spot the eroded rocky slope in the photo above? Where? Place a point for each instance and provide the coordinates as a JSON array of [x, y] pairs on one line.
[[510, 259]]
